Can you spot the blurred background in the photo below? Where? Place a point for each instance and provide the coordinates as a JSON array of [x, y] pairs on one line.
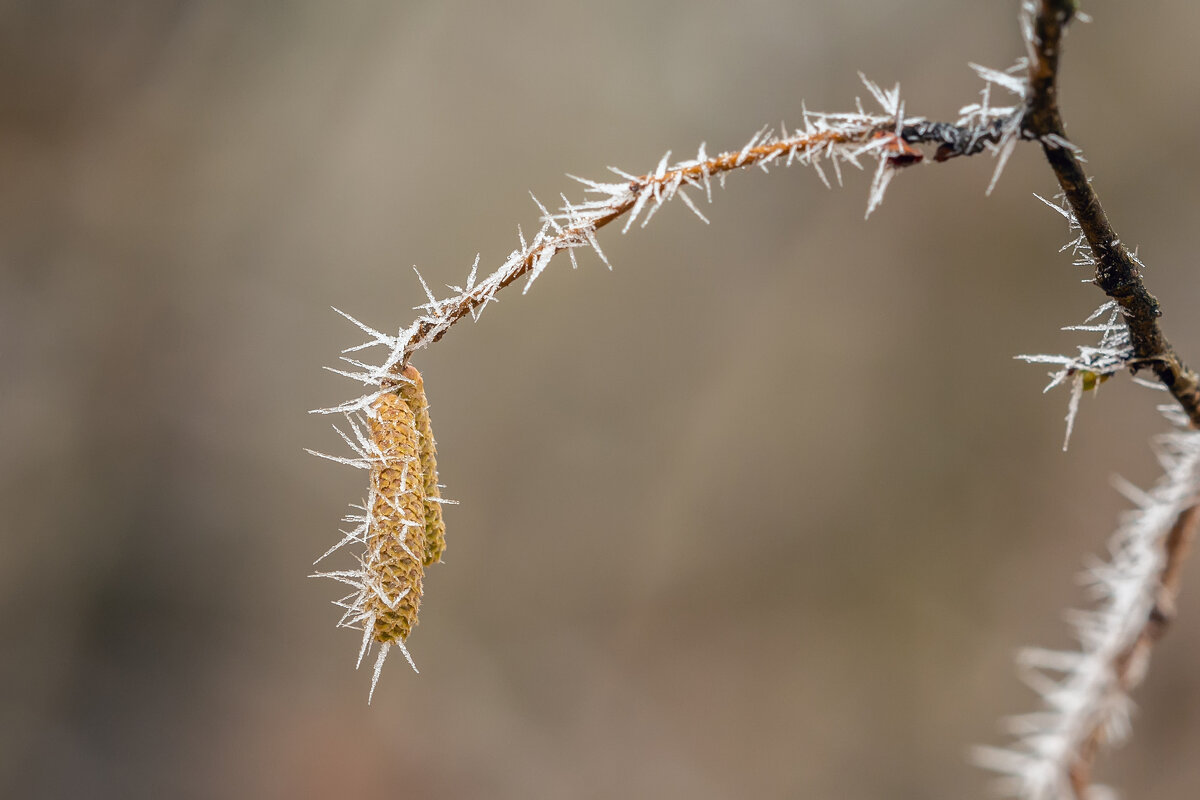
[[764, 512]]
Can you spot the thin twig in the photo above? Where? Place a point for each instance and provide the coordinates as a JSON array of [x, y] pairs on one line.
[[1118, 271], [952, 140], [833, 138], [430, 331], [884, 138]]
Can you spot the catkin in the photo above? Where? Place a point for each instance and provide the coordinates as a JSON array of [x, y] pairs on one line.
[[435, 529], [395, 555]]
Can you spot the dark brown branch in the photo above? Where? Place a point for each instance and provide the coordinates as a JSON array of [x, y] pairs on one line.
[[1117, 271], [954, 140]]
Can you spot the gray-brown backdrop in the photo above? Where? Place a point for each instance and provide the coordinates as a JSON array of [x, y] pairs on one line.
[[764, 512]]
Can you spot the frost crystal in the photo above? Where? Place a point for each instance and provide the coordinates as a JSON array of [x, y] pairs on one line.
[[1093, 365], [978, 114]]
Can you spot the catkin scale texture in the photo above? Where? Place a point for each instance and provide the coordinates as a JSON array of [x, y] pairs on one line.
[[396, 537], [435, 529]]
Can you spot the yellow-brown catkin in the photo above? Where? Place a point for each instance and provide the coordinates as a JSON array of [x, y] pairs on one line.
[[399, 497], [435, 529]]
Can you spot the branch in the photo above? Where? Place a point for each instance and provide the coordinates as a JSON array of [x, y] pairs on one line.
[[1086, 692], [1118, 271], [835, 138]]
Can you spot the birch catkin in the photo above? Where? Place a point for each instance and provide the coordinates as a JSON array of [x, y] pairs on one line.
[[435, 529], [395, 554]]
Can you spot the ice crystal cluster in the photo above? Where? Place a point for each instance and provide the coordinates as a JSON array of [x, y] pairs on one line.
[[1085, 690], [1091, 365]]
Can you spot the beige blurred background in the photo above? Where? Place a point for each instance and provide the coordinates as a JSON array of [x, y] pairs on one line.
[[764, 512]]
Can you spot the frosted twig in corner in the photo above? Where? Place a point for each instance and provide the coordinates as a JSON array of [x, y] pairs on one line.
[[1085, 691]]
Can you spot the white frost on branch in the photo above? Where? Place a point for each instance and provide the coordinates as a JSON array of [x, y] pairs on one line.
[[1085, 690], [1028, 16], [1092, 365], [1013, 80]]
